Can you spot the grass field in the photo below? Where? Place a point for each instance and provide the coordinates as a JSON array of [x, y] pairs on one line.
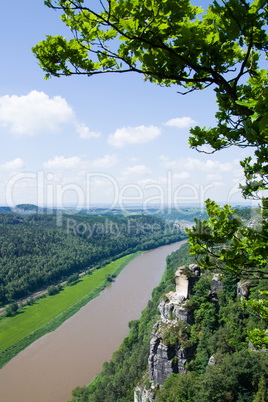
[[48, 313]]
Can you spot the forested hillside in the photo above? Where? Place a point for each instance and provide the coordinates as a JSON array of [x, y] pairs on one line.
[[219, 329], [169, 214], [37, 250]]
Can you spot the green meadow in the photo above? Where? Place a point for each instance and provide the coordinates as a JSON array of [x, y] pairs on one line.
[[46, 314]]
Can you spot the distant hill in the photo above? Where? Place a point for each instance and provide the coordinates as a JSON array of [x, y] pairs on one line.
[[26, 208], [4, 210]]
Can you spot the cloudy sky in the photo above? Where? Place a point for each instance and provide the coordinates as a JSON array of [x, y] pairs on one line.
[[105, 139]]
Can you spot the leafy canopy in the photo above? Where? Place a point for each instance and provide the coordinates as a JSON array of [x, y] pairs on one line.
[[225, 242], [172, 42]]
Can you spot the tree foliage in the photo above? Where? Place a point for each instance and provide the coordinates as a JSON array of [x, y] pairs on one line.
[[241, 376], [11, 309], [259, 308], [171, 42], [36, 253], [225, 242]]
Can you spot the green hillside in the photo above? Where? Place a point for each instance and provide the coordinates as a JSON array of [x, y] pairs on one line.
[[39, 250]]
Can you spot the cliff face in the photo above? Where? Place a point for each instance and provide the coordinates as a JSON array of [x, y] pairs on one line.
[[166, 358], [169, 349], [230, 369]]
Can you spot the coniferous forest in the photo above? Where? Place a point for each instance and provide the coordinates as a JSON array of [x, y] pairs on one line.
[[37, 251]]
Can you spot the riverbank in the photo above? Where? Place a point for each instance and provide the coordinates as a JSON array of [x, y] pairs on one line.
[[121, 374], [16, 333], [36, 295], [50, 368]]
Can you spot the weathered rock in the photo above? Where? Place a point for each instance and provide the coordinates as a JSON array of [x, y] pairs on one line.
[[253, 349], [211, 361], [243, 289], [164, 358], [160, 365], [161, 361], [171, 310], [184, 355], [184, 283], [216, 284], [166, 309], [142, 394], [196, 271]]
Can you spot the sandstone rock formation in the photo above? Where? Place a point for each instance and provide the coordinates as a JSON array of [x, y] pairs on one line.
[[169, 350], [216, 284], [142, 394], [243, 289]]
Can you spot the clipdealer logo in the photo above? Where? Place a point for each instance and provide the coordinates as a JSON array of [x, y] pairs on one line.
[[49, 192]]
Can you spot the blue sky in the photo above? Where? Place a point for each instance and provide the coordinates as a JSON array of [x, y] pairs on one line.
[[111, 139]]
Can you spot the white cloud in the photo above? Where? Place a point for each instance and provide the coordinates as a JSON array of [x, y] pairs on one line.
[[59, 162], [147, 182], [181, 176], [133, 159], [181, 122], [100, 182], [196, 164], [138, 170], [107, 161], [34, 113], [133, 135], [85, 133], [75, 162], [14, 165], [218, 184], [216, 166], [214, 176]]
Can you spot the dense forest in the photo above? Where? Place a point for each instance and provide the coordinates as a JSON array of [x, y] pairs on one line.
[[219, 330], [169, 214], [36, 250]]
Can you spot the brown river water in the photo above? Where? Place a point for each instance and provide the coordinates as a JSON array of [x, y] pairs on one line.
[[50, 368]]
